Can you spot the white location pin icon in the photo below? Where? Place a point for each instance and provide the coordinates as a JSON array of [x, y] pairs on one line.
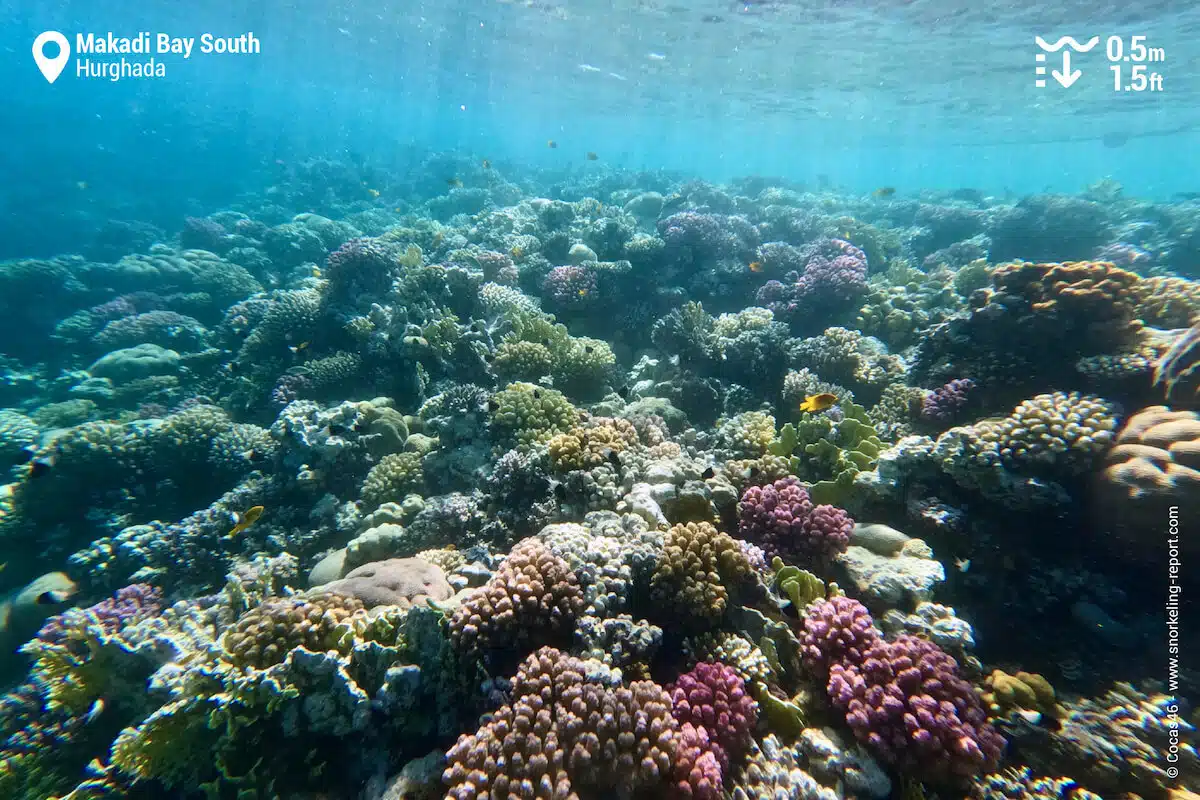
[[51, 67]]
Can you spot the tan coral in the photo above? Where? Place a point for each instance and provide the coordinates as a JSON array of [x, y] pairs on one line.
[[533, 598], [1153, 466], [698, 568], [1029, 691]]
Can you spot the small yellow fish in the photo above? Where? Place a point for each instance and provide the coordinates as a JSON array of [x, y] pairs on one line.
[[373, 192], [592, 156], [398, 210], [246, 520], [756, 266], [80, 185], [316, 272], [517, 251], [583, 292], [818, 402], [454, 183], [299, 348], [487, 164], [884, 191], [553, 145]]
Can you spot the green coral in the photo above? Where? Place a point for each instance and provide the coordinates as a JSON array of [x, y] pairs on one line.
[[829, 452], [524, 414], [396, 475], [801, 586], [582, 368], [522, 360]]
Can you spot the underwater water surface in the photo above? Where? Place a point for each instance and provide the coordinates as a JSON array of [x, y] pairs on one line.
[[633, 399]]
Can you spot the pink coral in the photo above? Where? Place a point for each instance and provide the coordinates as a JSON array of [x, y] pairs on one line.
[[835, 630], [907, 701], [781, 519], [714, 696]]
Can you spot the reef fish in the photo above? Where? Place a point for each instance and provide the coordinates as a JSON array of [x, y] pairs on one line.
[[246, 520], [884, 191], [818, 402]]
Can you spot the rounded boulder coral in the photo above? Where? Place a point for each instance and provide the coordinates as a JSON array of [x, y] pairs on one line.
[[570, 730], [698, 568]]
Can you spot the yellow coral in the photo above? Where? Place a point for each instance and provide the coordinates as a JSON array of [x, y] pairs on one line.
[[1025, 690]]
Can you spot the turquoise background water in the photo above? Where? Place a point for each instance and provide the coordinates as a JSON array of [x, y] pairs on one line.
[[864, 94]]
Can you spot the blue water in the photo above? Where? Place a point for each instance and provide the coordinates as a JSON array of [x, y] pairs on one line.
[[862, 94]]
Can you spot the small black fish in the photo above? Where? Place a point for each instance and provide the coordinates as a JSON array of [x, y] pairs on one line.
[[336, 429], [613, 457], [493, 405], [39, 467], [560, 492], [592, 156], [537, 394], [708, 473], [623, 393], [235, 367], [754, 472], [587, 348], [26, 455]]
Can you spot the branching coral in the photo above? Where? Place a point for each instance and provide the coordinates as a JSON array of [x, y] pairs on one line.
[[570, 729], [699, 569], [533, 598]]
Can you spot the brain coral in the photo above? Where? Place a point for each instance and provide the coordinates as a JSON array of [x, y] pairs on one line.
[[1154, 465], [534, 596]]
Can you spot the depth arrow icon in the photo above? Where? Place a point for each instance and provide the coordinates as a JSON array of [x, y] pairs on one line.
[[1066, 77]]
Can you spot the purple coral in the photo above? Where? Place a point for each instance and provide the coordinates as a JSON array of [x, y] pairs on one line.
[[128, 606], [702, 236], [907, 701], [781, 519], [835, 274], [713, 696], [944, 403], [778, 258], [569, 287], [698, 771], [836, 630], [202, 234], [288, 388]]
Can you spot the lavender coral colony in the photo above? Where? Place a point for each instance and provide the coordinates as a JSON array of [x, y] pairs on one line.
[[598, 485]]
